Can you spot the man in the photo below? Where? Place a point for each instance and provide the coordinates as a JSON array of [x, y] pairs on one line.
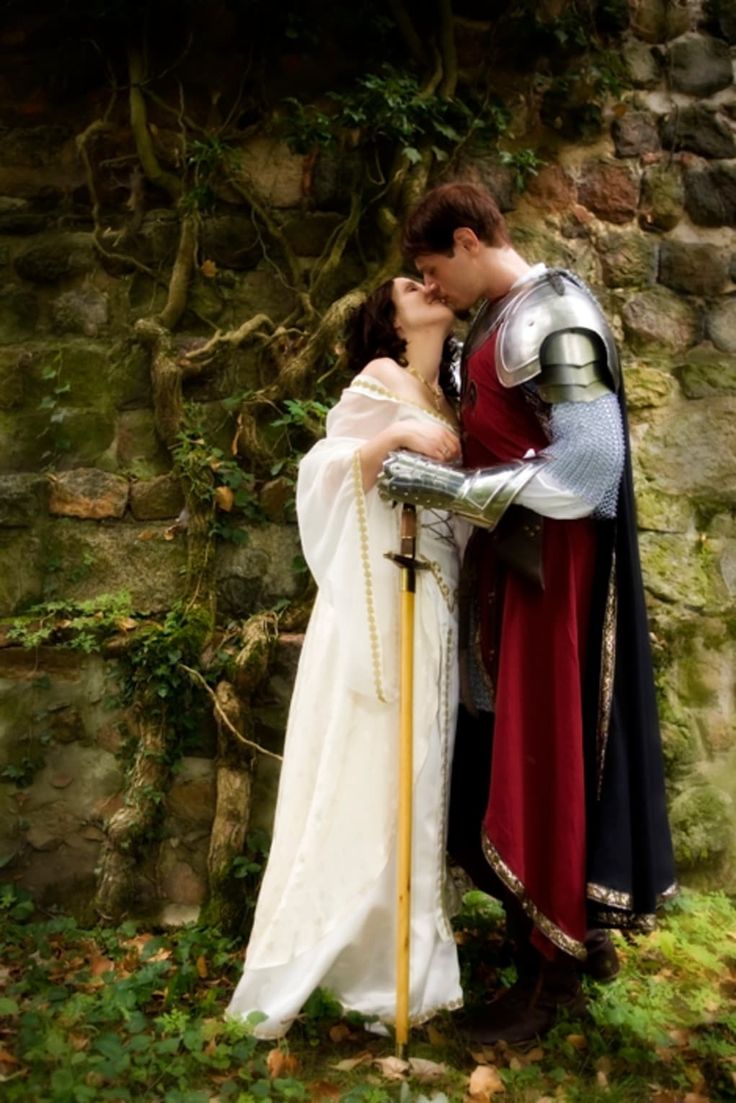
[[574, 823]]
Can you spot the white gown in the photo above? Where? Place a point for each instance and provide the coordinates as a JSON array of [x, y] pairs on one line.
[[326, 911]]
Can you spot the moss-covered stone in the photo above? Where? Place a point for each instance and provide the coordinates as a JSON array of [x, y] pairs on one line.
[[662, 202], [18, 313], [707, 371], [94, 559], [659, 512], [56, 257], [21, 569], [659, 318], [628, 259], [138, 448], [253, 575], [679, 569], [701, 823], [689, 448], [647, 385]]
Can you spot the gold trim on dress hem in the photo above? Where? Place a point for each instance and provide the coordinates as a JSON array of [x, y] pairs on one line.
[[615, 898], [549, 929]]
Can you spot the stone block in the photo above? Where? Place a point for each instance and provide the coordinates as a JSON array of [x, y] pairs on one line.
[[158, 238], [710, 193], [138, 448], [64, 438], [261, 291], [333, 178], [647, 386], [88, 493], [14, 365], [658, 20], [689, 448], [658, 512], [707, 371], [662, 198], [309, 233], [82, 310], [269, 166], [23, 500], [724, 13], [700, 65], [698, 130], [635, 133], [676, 572], [100, 558], [642, 66], [156, 499], [56, 257], [628, 258], [230, 240], [720, 324], [695, 268], [551, 189], [21, 570], [609, 190], [658, 317], [252, 575], [191, 798], [19, 312]]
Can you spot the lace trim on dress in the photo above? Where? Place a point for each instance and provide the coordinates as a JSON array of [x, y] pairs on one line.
[[383, 392], [368, 578]]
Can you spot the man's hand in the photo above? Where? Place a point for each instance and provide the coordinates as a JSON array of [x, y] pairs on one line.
[[407, 477]]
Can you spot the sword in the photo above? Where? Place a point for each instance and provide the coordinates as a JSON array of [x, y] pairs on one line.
[[409, 564]]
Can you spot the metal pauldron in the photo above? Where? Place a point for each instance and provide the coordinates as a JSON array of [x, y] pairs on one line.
[[481, 496]]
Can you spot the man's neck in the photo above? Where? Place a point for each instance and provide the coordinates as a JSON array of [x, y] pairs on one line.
[[503, 267]]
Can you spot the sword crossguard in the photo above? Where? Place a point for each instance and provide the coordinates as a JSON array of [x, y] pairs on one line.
[[408, 561]]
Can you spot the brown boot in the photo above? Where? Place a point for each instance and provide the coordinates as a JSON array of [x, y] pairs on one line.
[[602, 963], [526, 1012]]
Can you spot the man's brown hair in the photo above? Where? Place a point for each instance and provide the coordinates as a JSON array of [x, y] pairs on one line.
[[431, 225]]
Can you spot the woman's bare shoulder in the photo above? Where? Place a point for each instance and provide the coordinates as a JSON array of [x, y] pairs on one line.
[[385, 370]]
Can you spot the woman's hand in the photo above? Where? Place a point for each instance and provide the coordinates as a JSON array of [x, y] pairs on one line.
[[433, 441]]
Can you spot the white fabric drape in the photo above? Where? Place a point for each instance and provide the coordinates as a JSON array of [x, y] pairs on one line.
[[326, 910]]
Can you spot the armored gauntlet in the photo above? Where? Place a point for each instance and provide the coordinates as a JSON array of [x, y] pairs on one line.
[[481, 496]]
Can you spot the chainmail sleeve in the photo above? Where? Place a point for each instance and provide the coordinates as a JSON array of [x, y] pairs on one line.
[[585, 460]]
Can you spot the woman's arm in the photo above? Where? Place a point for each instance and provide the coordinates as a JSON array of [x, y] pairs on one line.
[[433, 441]]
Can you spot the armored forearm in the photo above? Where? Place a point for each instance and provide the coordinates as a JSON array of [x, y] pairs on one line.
[[481, 496]]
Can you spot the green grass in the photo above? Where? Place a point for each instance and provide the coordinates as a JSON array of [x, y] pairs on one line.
[[131, 1016]]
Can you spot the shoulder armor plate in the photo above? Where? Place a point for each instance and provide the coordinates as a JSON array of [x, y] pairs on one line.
[[556, 300]]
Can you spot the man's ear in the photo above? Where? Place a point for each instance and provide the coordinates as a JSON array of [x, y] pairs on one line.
[[466, 239]]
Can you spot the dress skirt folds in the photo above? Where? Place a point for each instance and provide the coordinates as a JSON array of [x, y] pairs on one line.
[[326, 911]]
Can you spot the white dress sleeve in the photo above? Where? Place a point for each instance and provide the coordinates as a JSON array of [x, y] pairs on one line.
[[345, 533]]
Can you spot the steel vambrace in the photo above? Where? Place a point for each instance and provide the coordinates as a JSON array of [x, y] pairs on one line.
[[481, 496]]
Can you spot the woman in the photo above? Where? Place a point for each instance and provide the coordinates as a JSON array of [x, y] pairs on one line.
[[326, 911]]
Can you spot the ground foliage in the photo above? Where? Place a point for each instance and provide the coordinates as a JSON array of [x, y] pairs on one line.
[[88, 1015]]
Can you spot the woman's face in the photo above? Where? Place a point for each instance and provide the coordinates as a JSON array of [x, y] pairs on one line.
[[415, 310]]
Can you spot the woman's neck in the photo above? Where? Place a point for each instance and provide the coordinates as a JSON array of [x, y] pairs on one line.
[[424, 353]]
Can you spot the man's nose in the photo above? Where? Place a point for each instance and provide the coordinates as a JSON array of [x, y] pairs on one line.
[[431, 287]]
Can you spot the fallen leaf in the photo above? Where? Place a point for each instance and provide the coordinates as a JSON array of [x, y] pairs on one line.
[[696, 1097], [147, 534], [7, 1058], [350, 1063], [202, 967], [280, 1063], [484, 1082], [126, 624], [78, 1041], [340, 1032], [577, 1041], [322, 1089], [224, 498], [208, 268], [99, 965], [392, 1068], [601, 1079], [535, 1054], [426, 1070]]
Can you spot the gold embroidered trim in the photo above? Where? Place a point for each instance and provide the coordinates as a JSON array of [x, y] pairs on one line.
[[444, 687], [615, 898], [367, 577], [551, 931], [449, 595], [608, 662], [384, 392]]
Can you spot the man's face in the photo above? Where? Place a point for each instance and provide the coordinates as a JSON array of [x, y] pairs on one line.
[[453, 279]]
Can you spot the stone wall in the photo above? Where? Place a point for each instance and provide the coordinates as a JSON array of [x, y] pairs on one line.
[[642, 204]]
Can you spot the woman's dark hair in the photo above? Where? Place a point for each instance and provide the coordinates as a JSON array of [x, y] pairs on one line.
[[371, 333]]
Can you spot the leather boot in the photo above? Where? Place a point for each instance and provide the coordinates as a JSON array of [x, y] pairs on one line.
[[602, 963], [527, 1011]]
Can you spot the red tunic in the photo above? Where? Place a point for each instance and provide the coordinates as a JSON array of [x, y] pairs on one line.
[[535, 821]]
